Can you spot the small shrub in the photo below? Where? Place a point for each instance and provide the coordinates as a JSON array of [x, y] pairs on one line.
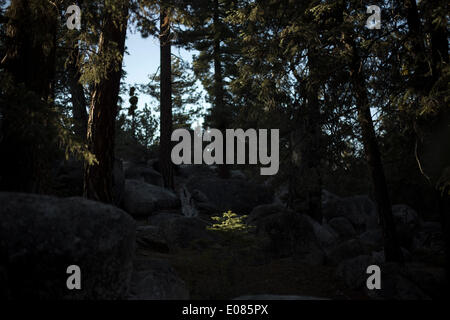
[[230, 222]]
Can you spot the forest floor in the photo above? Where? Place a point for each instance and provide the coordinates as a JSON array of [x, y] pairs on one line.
[[279, 277], [211, 274]]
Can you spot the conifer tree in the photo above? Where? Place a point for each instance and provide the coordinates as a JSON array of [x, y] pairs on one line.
[[103, 110], [28, 74], [185, 94], [165, 39], [205, 30]]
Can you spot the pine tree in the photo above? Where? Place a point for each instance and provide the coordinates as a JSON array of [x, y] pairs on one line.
[[285, 86], [77, 93], [103, 109], [205, 30], [185, 94], [165, 39], [27, 94]]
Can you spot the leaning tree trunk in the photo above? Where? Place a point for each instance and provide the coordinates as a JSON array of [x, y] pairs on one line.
[[98, 178], [392, 248], [166, 100]]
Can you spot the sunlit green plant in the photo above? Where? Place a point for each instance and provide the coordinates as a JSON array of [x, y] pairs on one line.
[[230, 222]]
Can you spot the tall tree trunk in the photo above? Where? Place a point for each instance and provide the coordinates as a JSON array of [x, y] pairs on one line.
[[311, 150], [166, 99], [417, 39], [78, 97], [218, 114], [433, 138], [392, 248], [439, 59], [306, 184], [444, 204], [30, 63], [98, 178], [439, 42]]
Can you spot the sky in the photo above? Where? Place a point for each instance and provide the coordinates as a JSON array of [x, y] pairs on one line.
[[143, 59]]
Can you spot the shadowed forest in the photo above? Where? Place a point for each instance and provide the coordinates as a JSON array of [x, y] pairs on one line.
[[86, 171]]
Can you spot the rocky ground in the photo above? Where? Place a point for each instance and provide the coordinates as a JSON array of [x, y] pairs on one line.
[[157, 244]]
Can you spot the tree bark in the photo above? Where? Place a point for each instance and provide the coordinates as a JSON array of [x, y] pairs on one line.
[[306, 185], [98, 178], [429, 70], [78, 98], [166, 100], [311, 149], [439, 59], [439, 44], [218, 114], [30, 62], [392, 248]]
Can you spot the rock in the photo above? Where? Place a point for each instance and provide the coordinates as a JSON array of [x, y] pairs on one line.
[[395, 280], [188, 171], [400, 288], [202, 204], [407, 223], [154, 164], [406, 255], [276, 297], [118, 182], [160, 218], [395, 285], [281, 194], [143, 173], [429, 279], [429, 240], [188, 207], [263, 211], [359, 210], [380, 258], [372, 239], [184, 232], [155, 279], [150, 237], [404, 214], [287, 234], [353, 272], [328, 197], [70, 178], [199, 196], [324, 233], [237, 195], [142, 200], [40, 237], [238, 174], [343, 227], [344, 251]]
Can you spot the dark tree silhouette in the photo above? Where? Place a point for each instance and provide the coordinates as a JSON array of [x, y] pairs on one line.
[[166, 99]]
